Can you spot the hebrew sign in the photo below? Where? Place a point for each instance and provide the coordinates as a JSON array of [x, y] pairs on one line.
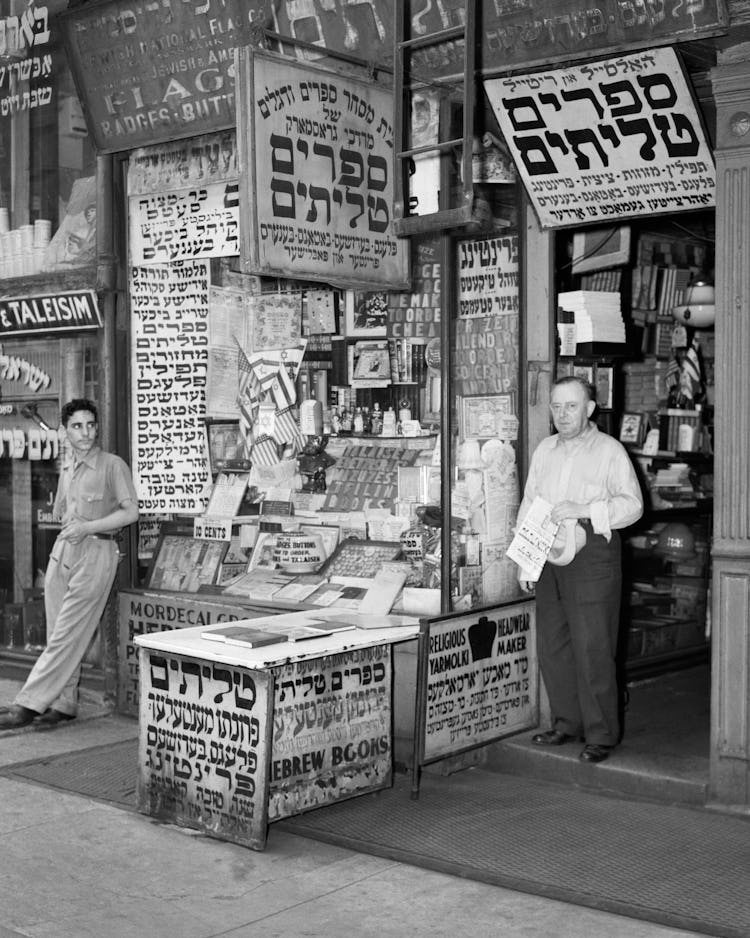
[[204, 746], [150, 72], [169, 358], [332, 730], [320, 193], [607, 140], [478, 677]]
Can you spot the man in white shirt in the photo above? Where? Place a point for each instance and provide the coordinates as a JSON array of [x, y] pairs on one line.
[[588, 478]]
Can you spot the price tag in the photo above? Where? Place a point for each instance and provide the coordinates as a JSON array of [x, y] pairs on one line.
[[207, 529]]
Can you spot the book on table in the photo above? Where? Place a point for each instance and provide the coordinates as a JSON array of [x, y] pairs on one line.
[[245, 635]]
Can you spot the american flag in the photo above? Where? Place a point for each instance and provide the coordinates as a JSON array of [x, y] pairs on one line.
[[686, 372]]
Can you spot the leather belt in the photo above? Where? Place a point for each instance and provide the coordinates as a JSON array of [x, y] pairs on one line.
[[105, 537]]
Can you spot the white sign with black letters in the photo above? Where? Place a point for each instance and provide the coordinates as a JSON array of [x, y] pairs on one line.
[[605, 140]]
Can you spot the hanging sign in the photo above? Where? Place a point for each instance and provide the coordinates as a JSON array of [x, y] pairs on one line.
[[319, 195], [54, 312], [151, 72], [185, 224], [606, 140], [488, 276]]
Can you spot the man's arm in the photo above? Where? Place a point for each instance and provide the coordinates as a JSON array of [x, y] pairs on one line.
[[75, 530]]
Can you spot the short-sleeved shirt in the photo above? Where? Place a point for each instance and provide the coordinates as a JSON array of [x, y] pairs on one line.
[[93, 488]]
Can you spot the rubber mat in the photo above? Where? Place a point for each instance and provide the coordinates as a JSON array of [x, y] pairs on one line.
[[104, 773], [677, 866], [680, 867]]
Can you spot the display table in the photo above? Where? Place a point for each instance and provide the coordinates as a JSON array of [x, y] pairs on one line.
[[232, 737]]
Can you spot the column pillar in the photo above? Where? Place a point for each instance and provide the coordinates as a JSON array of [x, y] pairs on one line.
[[730, 695]]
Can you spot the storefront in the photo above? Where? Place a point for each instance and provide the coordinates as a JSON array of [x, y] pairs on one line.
[[314, 400], [54, 324]]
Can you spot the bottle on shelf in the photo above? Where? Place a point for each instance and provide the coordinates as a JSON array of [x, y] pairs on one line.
[[389, 422], [359, 424], [376, 422]]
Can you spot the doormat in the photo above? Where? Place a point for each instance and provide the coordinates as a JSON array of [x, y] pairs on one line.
[[105, 773], [676, 866]]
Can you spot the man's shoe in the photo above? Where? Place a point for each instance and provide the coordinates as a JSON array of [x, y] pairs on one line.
[[594, 752], [16, 717], [551, 738], [54, 717]]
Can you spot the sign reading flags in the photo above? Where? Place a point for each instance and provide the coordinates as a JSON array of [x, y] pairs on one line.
[[52, 312], [607, 140], [157, 71]]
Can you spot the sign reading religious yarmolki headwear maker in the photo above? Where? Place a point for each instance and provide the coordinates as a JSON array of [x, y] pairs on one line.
[[606, 140]]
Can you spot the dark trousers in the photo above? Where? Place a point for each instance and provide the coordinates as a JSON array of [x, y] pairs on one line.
[[578, 618]]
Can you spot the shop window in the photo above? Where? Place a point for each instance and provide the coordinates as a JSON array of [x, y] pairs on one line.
[[47, 162]]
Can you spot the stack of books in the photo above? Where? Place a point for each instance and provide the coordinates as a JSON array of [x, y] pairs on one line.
[[645, 385], [598, 316]]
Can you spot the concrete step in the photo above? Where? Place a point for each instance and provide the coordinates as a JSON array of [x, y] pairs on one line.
[[662, 777]]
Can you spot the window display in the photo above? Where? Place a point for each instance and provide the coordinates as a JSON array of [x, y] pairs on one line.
[[48, 169]]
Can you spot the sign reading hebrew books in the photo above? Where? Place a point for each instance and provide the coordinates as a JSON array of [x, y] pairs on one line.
[[605, 140], [319, 192]]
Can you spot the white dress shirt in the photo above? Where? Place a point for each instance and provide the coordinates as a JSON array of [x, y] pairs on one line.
[[592, 469]]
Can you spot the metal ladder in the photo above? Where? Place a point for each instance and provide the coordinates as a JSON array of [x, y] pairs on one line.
[[461, 214]]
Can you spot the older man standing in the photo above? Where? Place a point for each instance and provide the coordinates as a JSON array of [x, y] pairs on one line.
[[589, 480], [95, 499]]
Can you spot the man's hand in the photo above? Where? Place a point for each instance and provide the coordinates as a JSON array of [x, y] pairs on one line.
[[566, 511], [527, 586], [74, 531]]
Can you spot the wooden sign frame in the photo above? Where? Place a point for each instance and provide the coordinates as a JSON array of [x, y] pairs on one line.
[[317, 183], [477, 680], [156, 72], [584, 158]]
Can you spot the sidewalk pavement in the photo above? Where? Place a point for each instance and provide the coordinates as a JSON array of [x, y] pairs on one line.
[[74, 867]]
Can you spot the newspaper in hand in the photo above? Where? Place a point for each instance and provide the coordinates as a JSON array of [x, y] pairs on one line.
[[533, 539]]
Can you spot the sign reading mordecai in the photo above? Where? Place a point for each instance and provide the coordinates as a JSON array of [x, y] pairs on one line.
[[607, 140], [49, 313]]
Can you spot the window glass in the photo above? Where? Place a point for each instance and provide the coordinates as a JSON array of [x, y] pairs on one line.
[[47, 163]]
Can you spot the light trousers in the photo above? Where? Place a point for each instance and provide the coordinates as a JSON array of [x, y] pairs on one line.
[[76, 587]]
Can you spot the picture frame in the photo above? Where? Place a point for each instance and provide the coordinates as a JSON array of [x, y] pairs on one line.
[[599, 248], [365, 314], [262, 555], [226, 448], [631, 429], [182, 564], [484, 417], [371, 365], [583, 371]]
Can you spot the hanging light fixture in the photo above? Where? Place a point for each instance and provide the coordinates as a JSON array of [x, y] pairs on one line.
[[698, 309]]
